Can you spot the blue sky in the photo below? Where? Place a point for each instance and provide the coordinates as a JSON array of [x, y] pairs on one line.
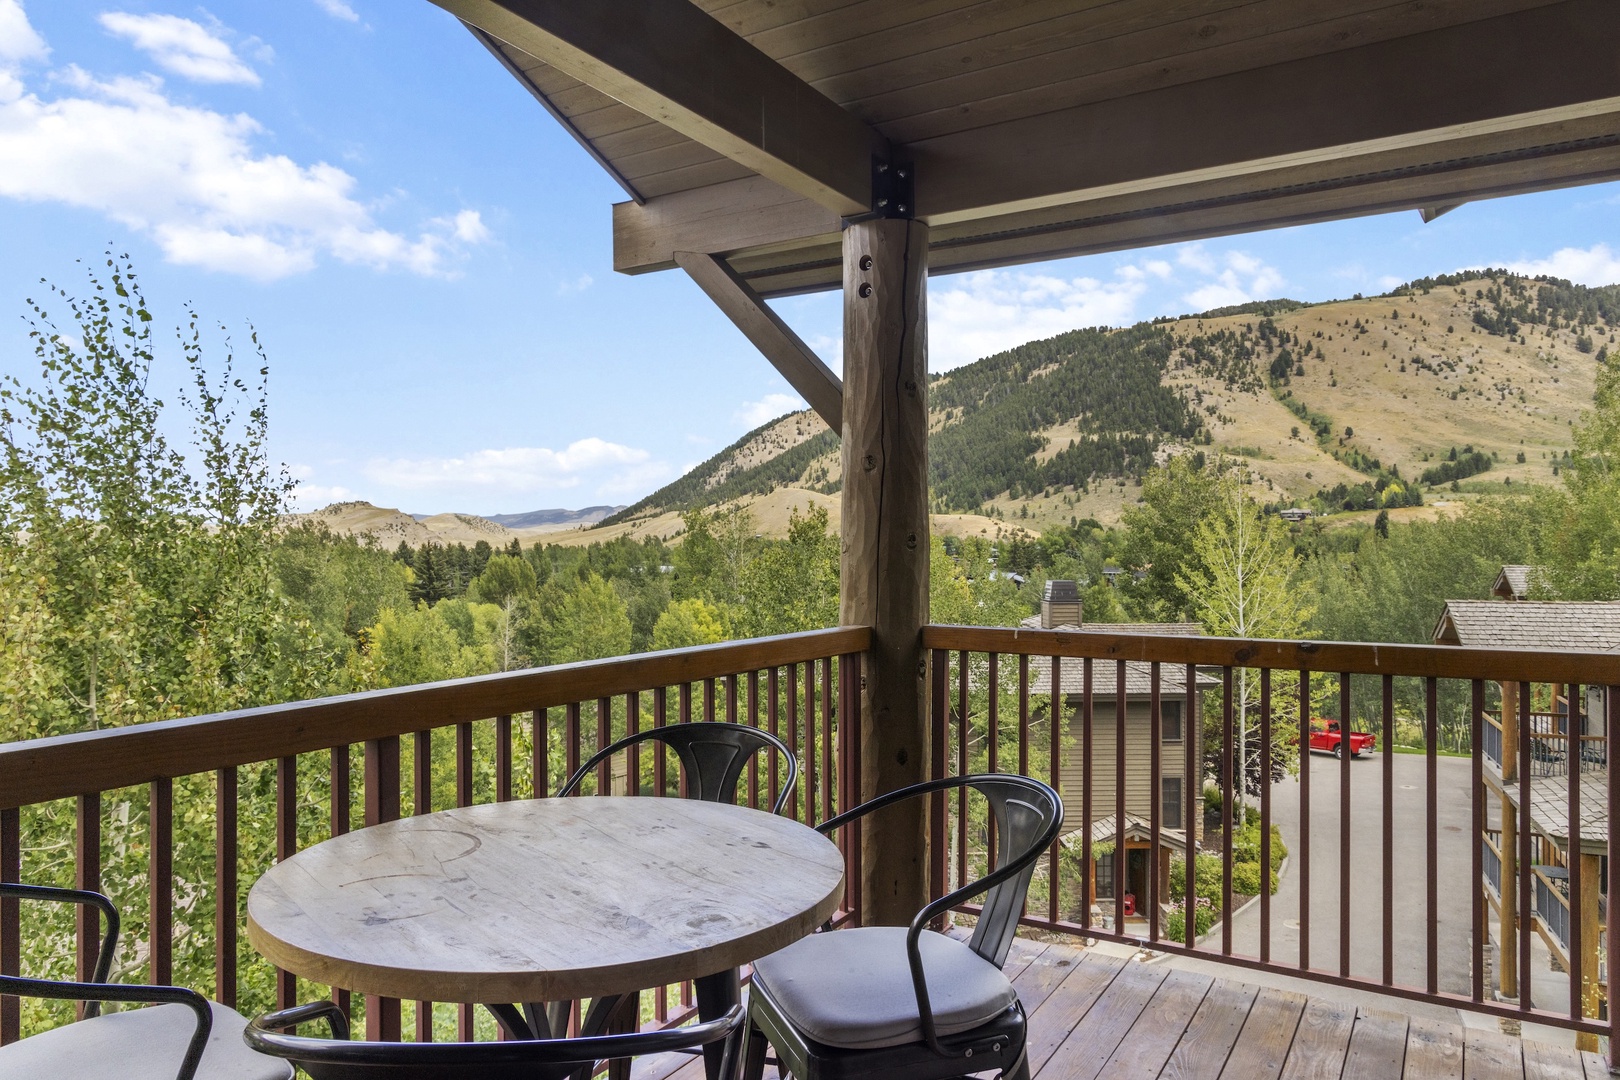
[[426, 255]]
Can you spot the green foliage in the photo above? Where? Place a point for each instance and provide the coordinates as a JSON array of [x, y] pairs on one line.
[[1459, 465], [591, 623], [1157, 537], [505, 578], [698, 487], [792, 586], [688, 622]]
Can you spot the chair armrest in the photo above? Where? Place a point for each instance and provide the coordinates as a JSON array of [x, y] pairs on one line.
[[135, 993], [84, 898], [287, 1019]]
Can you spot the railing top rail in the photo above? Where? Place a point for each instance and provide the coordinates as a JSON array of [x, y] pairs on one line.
[[1443, 661], [64, 766]]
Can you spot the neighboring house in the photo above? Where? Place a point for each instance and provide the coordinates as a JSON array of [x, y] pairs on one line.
[[1512, 622], [1177, 797]]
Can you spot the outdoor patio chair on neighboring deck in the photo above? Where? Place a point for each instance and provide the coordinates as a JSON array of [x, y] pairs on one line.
[[516, 1059], [713, 757], [181, 1036], [907, 1003]]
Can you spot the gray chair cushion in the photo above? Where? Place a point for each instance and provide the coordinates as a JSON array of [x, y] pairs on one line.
[[853, 988], [139, 1044]]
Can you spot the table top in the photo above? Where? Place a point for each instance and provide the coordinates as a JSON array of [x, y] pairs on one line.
[[545, 900]]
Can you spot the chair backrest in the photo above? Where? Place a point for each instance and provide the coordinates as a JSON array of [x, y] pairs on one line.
[[712, 755], [1027, 815], [516, 1059]]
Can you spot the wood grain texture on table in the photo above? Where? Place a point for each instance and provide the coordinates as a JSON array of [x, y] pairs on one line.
[[545, 900]]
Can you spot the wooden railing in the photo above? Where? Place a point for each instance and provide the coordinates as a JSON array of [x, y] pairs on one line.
[[65, 803], [992, 697]]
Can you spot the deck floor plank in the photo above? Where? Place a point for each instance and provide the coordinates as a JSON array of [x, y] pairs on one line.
[[1207, 1043], [1044, 974], [1434, 1050], [1491, 1055], [1377, 1046], [1596, 1067], [1067, 1004], [1320, 1042], [1545, 1062], [1262, 1046], [1159, 1029], [1090, 1042]]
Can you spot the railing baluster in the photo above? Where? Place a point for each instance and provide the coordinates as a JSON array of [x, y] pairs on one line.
[[225, 889], [604, 738], [1476, 799], [1344, 825], [1192, 735], [1055, 739], [339, 824], [1265, 814], [1229, 782], [541, 752], [571, 737], [850, 667], [11, 922], [963, 875], [939, 724], [1023, 713], [464, 797], [1120, 861], [773, 717], [992, 738], [1526, 919], [1304, 821], [422, 803], [286, 845], [828, 775], [708, 700], [1611, 729], [632, 726], [809, 764], [382, 804], [1389, 829], [1574, 855], [1088, 773], [660, 755], [160, 880], [87, 875], [731, 699], [793, 736], [753, 722], [1431, 817], [503, 758]]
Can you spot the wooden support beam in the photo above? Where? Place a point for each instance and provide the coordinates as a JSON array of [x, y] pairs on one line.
[[786, 351], [884, 581], [676, 64]]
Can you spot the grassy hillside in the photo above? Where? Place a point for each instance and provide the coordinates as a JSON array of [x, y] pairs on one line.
[[1445, 389]]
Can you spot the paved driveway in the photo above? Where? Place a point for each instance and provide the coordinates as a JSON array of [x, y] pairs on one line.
[[1366, 872]]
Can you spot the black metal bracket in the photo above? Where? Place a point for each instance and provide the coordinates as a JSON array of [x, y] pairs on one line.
[[893, 192]]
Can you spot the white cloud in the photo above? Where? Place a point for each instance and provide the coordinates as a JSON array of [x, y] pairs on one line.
[[1238, 278], [989, 311], [769, 407], [309, 497], [576, 285], [182, 47], [192, 179], [338, 9], [612, 468], [1596, 265]]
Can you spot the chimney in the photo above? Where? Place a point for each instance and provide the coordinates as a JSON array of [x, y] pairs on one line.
[[1060, 605]]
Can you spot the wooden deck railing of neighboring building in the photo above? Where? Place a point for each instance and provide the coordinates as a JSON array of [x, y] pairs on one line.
[[966, 661], [799, 686]]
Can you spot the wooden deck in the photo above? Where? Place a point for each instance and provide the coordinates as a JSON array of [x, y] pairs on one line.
[[1098, 1016]]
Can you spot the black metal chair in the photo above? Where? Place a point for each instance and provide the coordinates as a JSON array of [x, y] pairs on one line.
[[906, 1003], [183, 1036], [518, 1059], [712, 755]]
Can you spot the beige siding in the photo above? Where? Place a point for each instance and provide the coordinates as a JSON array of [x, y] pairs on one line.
[[1139, 796]]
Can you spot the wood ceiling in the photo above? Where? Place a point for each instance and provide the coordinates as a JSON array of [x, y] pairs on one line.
[[1039, 128]]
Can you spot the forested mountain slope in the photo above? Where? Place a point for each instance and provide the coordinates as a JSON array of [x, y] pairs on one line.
[[1452, 385]]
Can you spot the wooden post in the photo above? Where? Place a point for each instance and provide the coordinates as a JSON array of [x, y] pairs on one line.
[[1591, 991], [885, 545], [1507, 931]]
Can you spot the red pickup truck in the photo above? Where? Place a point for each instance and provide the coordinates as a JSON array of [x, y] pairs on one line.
[[1325, 736]]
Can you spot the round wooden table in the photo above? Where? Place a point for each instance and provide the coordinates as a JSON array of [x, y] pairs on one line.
[[545, 900]]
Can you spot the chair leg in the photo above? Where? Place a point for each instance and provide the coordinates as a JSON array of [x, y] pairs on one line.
[[754, 1054], [1020, 1068], [626, 1018]]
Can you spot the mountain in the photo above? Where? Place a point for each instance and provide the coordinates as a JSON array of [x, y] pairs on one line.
[[1474, 377], [389, 527]]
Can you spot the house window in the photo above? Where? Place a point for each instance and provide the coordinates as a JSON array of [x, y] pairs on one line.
[[1105, 876], [1170, 806], [1170, 720]]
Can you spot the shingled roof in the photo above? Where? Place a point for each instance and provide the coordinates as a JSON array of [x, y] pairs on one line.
[[1138, 675], [1513, 583], [1589, 626]]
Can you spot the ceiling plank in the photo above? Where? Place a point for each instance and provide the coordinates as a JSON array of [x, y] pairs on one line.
[[681, 67], [786, 351]]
